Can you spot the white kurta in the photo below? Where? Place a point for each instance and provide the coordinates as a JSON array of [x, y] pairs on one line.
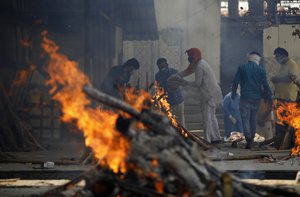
[[211, 93]]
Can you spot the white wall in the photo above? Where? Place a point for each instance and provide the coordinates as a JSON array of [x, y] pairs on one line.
[[200, 21], [281, 36]]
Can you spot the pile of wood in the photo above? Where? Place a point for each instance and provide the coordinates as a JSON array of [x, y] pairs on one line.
[[161, 163], [15, 133]]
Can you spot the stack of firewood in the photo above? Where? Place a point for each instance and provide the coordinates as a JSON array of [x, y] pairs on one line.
[[161, 163], [15, 133]]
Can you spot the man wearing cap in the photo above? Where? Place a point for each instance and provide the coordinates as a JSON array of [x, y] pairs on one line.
[[174, 93], [118, 78], [210, 91], [253, 82]]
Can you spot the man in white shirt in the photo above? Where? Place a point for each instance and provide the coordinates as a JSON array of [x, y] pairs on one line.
[[210, 91]]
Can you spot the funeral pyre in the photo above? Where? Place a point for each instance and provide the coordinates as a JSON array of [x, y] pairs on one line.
[[288, 114], [139, 151]]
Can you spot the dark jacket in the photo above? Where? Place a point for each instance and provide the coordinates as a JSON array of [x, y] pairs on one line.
[[174, 97], [115, 79], [253, 81]]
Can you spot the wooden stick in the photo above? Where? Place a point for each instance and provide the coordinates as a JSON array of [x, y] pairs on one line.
[[58, 162], [202, 142], [57, 190], [29, 134], [241, 157]]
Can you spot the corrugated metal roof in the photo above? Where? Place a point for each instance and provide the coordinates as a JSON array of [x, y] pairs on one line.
[[138, 20]]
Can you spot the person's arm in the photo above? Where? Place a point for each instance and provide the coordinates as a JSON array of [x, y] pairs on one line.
[[284, 79], [185, 73], [188, 71], [293, 70], [266, 87], [226, 104], [198, 79], [235, 83]]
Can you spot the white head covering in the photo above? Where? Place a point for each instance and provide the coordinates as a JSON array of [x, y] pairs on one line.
[[254, 58]]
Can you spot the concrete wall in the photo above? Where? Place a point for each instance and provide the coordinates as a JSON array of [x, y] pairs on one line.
[[281, 36], [203, 30], [200, 22], [181, 25]]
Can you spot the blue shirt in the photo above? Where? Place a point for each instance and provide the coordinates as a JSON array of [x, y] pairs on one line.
[[174, 97], [231, 107], [253, 81]]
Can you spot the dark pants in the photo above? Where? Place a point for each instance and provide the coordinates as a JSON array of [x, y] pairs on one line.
[[249, 109]]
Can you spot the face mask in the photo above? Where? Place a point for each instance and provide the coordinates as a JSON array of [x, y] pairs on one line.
[[280, 59], [191, 59]]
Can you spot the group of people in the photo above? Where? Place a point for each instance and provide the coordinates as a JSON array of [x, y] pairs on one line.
[[240, 109]]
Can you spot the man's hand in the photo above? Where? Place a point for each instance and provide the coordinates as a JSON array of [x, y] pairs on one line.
[[175, 77], [184, 82], [293, 77], [232, 119], [275, 79]]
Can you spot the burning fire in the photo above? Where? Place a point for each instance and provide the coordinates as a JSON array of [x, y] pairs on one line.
[[20, 78], [289, 112], [98, 126], [160, 98], [137, 99]]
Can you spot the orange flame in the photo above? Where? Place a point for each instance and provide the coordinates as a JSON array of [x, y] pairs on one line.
[[289, 112], [98, 126], [20, 79], [137, 99], [161, 100]]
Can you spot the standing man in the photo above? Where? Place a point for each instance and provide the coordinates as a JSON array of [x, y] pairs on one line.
[[285, 89], [253, 82], [210, 91], [118, 78], [174, 95]]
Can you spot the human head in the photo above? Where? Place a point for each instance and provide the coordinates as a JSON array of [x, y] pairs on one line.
[[254, 57], [162, 63], [194, 55], [281, 55], [131, 65]]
